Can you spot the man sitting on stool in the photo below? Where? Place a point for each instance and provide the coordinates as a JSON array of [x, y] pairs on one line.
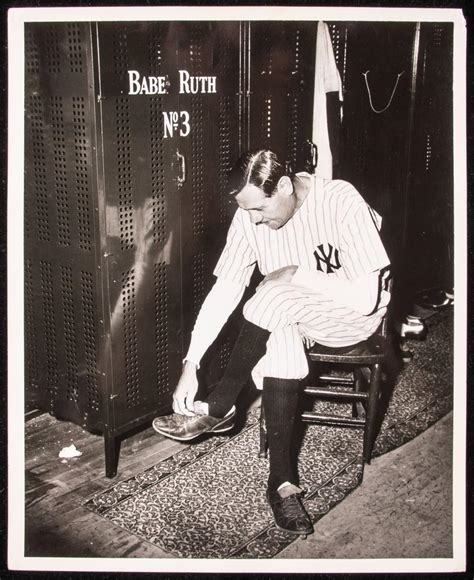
[[316, 241]]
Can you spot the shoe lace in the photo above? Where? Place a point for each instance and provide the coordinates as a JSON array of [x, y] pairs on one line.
[[293, 507]]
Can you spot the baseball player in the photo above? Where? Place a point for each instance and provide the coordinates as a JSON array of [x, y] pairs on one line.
[[317, 244]]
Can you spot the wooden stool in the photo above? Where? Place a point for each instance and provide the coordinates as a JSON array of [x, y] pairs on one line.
[[361, 388]]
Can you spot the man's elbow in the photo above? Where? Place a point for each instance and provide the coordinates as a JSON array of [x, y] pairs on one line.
[[367, 295], [366, 305]]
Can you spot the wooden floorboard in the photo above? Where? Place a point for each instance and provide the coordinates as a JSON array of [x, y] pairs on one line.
[[56, 523]]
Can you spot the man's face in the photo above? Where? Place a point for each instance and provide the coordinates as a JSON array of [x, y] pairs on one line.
[[272, 211]]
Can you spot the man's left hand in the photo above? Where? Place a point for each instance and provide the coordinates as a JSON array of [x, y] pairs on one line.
[[281, 275]]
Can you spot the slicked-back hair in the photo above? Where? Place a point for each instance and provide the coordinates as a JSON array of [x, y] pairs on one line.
[[260, 167]]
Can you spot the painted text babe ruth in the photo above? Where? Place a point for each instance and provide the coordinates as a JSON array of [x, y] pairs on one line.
[[317, 243]]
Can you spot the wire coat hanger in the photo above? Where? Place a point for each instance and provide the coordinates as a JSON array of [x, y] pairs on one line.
[[391, 96]]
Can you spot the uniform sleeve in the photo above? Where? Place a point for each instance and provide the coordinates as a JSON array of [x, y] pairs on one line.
[[237, 261], [362, 250], [359, 294], [219, 304]]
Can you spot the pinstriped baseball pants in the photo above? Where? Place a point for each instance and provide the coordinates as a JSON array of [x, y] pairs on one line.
[[290, 312]]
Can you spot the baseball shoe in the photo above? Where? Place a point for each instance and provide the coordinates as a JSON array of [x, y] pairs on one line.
[[289, 513], [184, 428]]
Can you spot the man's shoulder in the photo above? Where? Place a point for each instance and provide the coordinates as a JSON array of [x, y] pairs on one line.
[[341, 192], [339, 186], [240, 217], [344, 200]]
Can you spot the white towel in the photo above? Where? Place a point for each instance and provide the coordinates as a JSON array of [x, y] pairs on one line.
[[326, 79]]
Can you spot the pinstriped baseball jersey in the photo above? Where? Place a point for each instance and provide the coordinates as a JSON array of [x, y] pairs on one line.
[[334, 232]]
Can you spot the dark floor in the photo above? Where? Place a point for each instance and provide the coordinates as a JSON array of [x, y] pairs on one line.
[[402, 509]]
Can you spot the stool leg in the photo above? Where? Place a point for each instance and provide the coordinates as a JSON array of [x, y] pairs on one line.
[[263, 435], [371, 420], [357, 388]]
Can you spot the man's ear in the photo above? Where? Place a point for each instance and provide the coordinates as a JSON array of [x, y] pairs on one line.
[[285, 185]]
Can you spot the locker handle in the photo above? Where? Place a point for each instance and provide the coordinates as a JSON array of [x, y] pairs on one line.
[[182, 168]]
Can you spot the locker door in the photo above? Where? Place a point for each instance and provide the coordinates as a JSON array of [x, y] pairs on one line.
[[281, 87], [430, 220], [141, 212], [208, 50], [62, 250], [378, 84]]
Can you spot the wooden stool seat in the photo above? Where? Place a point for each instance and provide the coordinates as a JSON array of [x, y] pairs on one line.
[[365, 352]]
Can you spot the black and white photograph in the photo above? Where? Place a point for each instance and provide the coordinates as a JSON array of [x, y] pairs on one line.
[[237, 289]]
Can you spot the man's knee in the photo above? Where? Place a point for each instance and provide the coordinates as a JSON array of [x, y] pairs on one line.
[[285, 357]]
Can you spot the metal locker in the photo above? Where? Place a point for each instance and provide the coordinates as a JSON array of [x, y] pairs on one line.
[[208, 50], [141, 226], [122, 221], [63, 302], [378, 73], [397, 140], [281, 85], [430, 220], [377, 130]]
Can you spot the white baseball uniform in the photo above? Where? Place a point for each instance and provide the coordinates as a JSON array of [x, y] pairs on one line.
[[333, 239]]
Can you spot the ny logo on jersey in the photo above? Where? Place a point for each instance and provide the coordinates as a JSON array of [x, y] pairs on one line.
[[324, 257]]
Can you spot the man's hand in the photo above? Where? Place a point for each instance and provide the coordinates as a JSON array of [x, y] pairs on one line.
[[183, 396], [282, 275]]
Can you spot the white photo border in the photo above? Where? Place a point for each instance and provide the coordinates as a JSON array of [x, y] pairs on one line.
[[17, 18]]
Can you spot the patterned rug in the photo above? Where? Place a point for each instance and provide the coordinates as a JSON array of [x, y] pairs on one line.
[[208, 501]]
